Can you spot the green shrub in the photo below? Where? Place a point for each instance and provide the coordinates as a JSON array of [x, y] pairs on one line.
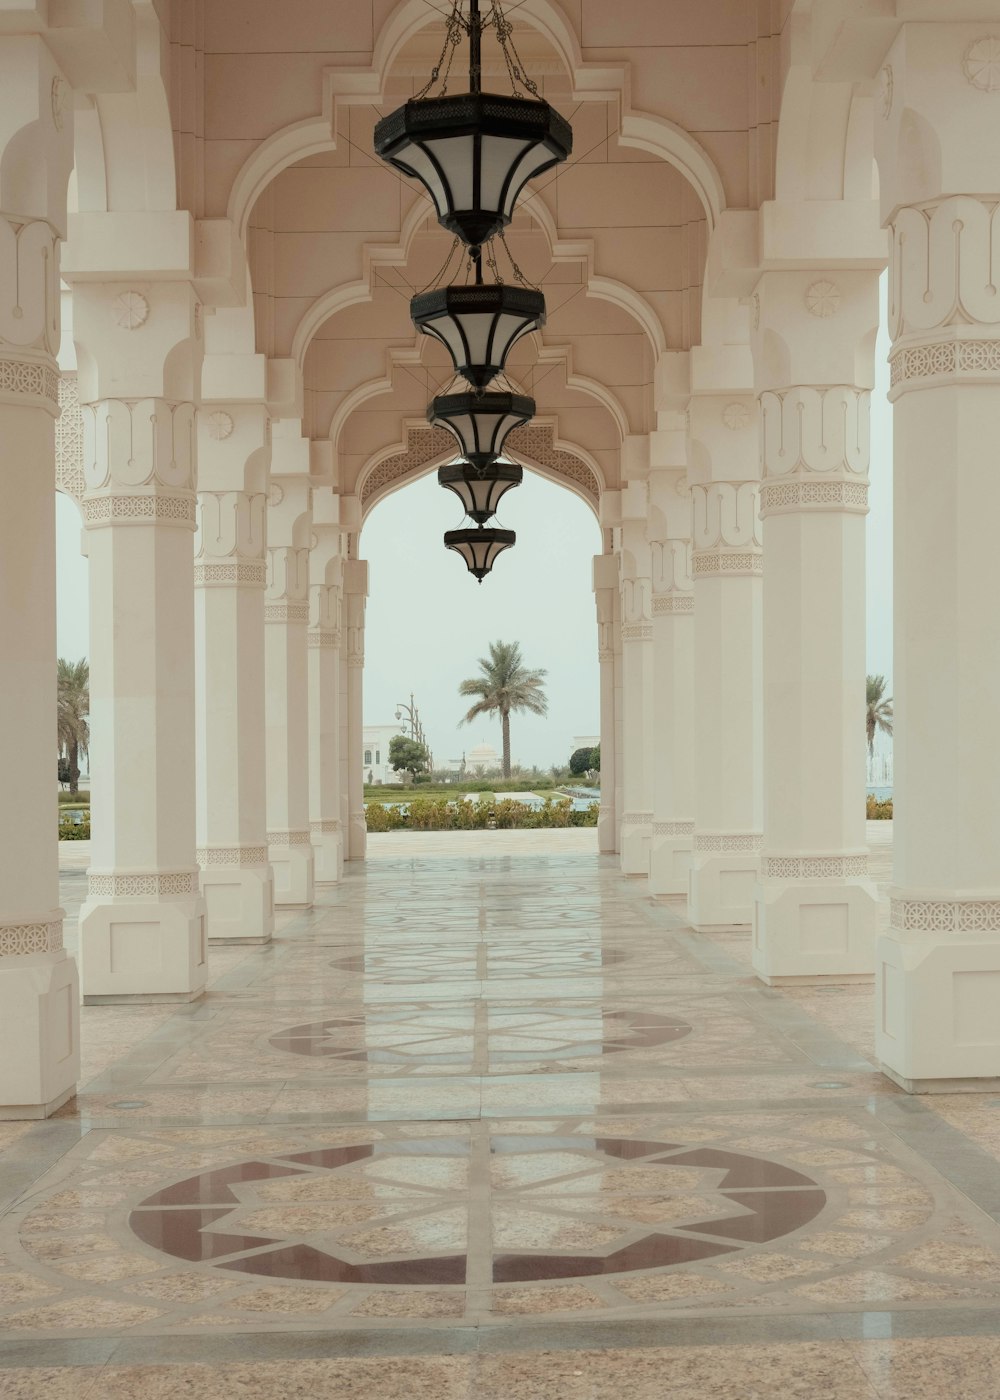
[[75, 799], [74, 831], [382, 818], [587, 818], [877, 811], [508, 814], [431, 814]]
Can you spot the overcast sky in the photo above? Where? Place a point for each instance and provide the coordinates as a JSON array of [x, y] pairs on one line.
[[429, 621]]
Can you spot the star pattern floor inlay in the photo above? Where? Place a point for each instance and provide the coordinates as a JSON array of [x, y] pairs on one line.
[[489, 1085]]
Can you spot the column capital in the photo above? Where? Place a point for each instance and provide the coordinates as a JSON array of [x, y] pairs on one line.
[[138, 463], [287, 598], [230, 544], [815, 447], [234, 446], [137, 340], [812, 326]]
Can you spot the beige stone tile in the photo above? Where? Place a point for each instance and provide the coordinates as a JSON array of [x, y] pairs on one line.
[[108, 1268], [297, 1298], [411, 1303], [182, 1288], [671, 1288], [23, 1287], [518, 1302], [922, 1368], [49, 1383], [81, 1313]]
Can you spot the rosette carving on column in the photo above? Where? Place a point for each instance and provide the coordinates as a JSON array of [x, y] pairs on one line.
[[231, 540], [29, 313], [139, 463], [287, 598], [944, 299], [815, 449], [726, 529]]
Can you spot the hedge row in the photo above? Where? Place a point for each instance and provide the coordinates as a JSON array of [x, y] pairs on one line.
[[439, 814], [877, 811]]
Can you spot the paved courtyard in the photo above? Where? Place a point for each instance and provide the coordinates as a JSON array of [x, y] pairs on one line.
[[490, 1121]]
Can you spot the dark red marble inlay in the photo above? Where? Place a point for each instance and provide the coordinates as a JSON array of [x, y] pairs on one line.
[[770, 1200]]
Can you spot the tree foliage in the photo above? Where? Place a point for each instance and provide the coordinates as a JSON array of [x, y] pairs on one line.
[[580, 761], [406, 755], [504, 686], [72, 716], [878, 709]]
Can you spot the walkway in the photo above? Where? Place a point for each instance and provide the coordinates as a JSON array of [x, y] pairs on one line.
[[488, 1121]]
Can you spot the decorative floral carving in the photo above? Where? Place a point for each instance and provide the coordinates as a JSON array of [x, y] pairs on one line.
[[976, 359], [286, 612], [61, 97], [823, 298], [130, 310], [723, 841], [637, 818], [673, 828], [324, 638], [638, 632], [21, 940], [251, 573], [981, 64], [886, 84], [736, 416], [325, 827], [288, 838], [665, 604], [945, 915], [69, 440], [232, 855], [151, 885], [139, 510], [709, 562], [781, 497], [220, 425], [275, 494], [30, 379], [814, 867]]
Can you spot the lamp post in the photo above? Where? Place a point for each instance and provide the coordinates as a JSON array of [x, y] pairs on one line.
[[416, 728]]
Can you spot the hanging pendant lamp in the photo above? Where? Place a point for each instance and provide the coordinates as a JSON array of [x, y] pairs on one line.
[[478, 324], [480, 548], [480, 491], [480, 423], [474, 152]]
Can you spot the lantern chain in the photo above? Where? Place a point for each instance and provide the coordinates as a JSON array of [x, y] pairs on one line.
[[455, 27], [436, 281], [515, 66], [518, 274]]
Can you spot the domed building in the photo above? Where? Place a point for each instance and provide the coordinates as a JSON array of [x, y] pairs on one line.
[[481, 760]]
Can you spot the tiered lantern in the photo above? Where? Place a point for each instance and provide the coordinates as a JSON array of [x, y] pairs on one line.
[[474, 153]]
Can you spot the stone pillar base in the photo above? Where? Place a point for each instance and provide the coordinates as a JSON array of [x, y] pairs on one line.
[[239, 899], [670, 854], [814, 929], [135, 949], [357, 837], [607, 834], [328, 852], [720, 889], [294, 871], [40, 1014], [636, 834], [936, 995]]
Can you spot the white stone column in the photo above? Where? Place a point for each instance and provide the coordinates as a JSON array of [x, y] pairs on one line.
[[39, 997], [605, 593], [814, 908], [637, 683], [727, 569], [230, 574], [324, 643], [619, 728], [142, 928], [673, 667], [938, 964], [355, 598], [286, 615]]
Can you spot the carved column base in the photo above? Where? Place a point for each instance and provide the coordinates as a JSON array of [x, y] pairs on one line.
[[357, 836], [40, 1014], [237, 885], [670, 852], [937, 987], [636, 834], [721, 882], [142, 940], [291, 856], [328, 852], [814, 919], [607, 831]]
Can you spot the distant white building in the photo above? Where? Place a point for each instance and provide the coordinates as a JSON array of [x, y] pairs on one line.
[[482, 759], [376, 739], [585, 741]]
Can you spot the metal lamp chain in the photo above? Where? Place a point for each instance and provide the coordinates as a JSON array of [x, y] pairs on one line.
[[515, 66], [454, 29]]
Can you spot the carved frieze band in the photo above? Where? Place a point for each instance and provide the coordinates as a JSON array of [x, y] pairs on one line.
[[69, 440], [638, 632], [232, 855], [324, 828], [815, 431], [324, 639], [974, 360], [788, 497], [20, 940], [286, 612], [814, 867], [746, 842], [945, 915], [942, 266], [356, 660], [144, 884], [664, 604], [636, 818], [673, 828], [231, 573], [32, 382], [178, 510], [725, 516], [288, 838], [727, 563]]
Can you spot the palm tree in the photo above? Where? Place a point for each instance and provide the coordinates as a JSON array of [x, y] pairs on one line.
[[506, 684], [72, 715], [878, 711]]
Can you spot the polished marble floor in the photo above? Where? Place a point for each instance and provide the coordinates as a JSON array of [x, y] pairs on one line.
[[488, 1121]]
